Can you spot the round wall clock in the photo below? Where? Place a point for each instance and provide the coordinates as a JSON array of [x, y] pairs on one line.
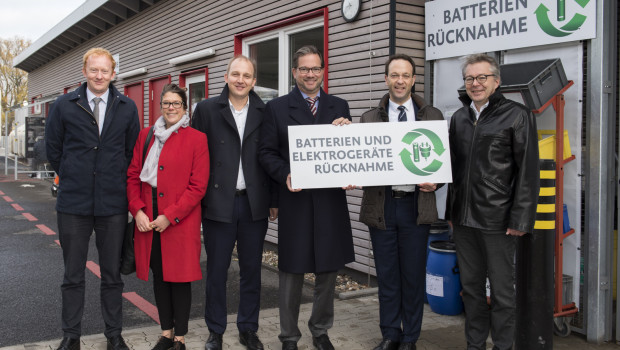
[[350, 9]]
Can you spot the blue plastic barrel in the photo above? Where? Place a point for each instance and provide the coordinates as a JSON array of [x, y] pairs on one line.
[[437, 232], [443, 282]]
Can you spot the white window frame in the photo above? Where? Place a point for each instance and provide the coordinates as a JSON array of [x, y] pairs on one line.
[[282, 34]]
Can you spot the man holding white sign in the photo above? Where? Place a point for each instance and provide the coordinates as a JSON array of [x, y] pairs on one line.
[[399, 217], [314, 230]]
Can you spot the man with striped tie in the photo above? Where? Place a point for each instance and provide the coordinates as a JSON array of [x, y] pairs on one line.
[[399, 218], [314, 231]]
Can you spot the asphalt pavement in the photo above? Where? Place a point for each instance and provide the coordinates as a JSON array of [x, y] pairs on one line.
[[31, 268]]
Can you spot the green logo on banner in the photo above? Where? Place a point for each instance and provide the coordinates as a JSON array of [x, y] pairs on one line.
[[424, 147], [542, 16]]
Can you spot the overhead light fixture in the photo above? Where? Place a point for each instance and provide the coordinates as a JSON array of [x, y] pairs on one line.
[[131, 73], [192, 56]]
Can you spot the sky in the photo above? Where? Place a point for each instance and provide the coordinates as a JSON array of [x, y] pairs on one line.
[[31, 19]]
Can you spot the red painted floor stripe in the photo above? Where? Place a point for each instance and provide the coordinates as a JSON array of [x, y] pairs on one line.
[[7, 198], [30, 217], [1, 193], [48, 231], [94, 268], [17, 207], [143, 305], [57, 241]]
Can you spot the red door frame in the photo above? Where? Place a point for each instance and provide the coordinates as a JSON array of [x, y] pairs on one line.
[[183, 77], [152, 117], [139, 102]]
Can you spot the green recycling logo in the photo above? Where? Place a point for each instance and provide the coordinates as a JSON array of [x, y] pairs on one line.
[[542, 16], [420, 157]]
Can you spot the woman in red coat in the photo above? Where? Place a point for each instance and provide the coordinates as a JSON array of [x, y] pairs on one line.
[[164, 192]]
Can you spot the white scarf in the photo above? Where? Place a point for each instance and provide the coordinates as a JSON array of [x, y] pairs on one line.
[[149, 169]]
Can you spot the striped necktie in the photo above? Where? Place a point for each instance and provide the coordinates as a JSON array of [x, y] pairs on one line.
[[312, 104], [402, 116]]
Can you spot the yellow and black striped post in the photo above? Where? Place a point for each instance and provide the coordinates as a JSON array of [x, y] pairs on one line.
[[535, 254]]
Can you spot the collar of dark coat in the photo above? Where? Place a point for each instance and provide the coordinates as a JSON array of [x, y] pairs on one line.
[[79, 95], [298, 98], [494, 99], [255, 100], [383, 106], [255, 110]]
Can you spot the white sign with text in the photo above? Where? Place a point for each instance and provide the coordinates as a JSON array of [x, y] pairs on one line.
[[456, 28], [369, 154]]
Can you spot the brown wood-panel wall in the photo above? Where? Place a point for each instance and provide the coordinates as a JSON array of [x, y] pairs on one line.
[[169, 29]]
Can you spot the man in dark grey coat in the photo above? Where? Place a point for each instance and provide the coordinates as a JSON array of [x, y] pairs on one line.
[[314, 233], [237, 202], [90, 135], [399, 218]]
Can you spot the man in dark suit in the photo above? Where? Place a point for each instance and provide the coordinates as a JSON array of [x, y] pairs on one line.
[[90, 134], [314, 233], [237, 202]]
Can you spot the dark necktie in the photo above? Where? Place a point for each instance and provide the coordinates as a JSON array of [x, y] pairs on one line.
[[312, 104], [402, 116], [96, 101]]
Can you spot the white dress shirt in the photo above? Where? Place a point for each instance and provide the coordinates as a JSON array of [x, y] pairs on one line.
[[473, 106], [102, 106], [393, 115], [240, 118]]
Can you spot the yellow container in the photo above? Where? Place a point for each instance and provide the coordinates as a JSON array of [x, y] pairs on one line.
[[546, 146]]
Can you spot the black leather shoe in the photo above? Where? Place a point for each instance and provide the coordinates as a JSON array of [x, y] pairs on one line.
[[163, 343], [117, 343], [69, 344], [387, 344], [289, 345], [250, 340], [214, 342], [177, 345], [406, 346], [322, 342]]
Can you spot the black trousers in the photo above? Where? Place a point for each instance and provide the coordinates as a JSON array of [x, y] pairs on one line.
[[220, 239], [482, 253], [173, 299], [400, 261], [74, 233]]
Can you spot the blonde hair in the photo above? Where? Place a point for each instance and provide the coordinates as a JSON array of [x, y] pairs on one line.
[[98, 51], [243, 58]]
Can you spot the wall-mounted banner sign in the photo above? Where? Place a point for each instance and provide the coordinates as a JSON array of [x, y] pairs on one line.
[[456, 28], [369, 154]]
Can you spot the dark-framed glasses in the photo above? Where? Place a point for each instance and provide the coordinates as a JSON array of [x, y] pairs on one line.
[[306, 70], [175, 104], [482, 78]]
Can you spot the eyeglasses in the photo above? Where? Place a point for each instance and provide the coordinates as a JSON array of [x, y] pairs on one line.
[[395, 76], [482, 78], [306, 70], [175, 104]]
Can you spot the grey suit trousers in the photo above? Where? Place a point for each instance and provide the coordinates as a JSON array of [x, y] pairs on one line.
[[322, 317]]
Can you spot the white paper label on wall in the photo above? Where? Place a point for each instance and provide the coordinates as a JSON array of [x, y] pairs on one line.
[[434, 285], [456, 28], [369, 154]]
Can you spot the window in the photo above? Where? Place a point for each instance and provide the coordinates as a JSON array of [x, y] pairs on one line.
[[196, 83], [273, 47]]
